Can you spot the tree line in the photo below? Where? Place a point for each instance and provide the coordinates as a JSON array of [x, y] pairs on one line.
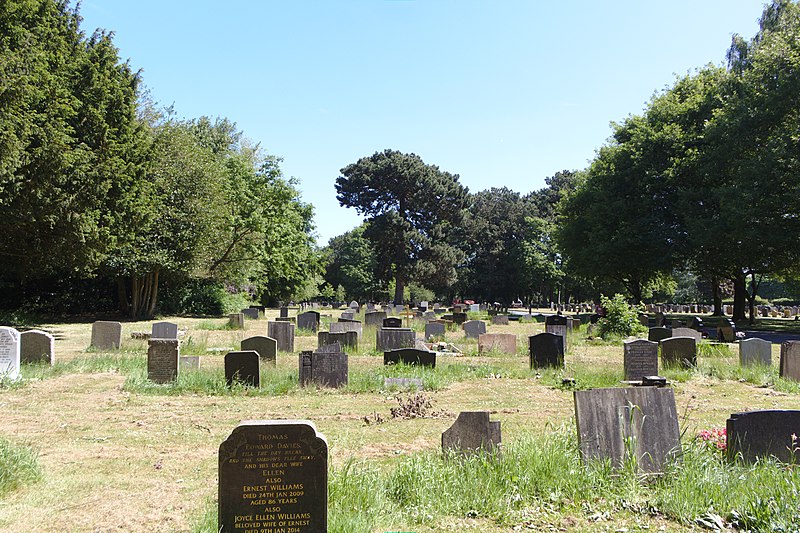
[[107, 199]]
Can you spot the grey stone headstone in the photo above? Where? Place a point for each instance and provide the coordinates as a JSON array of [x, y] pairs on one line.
[[640, 359], [500, 320], [162, 360], [687, 332], [9, 353], [410, 356], [242, 367], [265, 347], [497, 342], [546, 350], [394, 338], [658, 334], [273, 475], [758, 435], [434, 330], [188, 362], [679, 351], [342, 327], [164, 330], [354, 305], [726, 334], [614, 422], [374, 318], [106, 335], [559, 330], [472, 432], [755, 351], [37, 346], [790, 360], [474, 328], [283, 333], [250, 313], [325, 367], [402, 383], [308, 320], [236, 320], [429, 315], [283, 312], [345, 339], [392, 322], [348, 315]]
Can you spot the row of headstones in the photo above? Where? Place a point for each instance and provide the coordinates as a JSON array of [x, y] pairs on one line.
[[273, 475], [33, 346]]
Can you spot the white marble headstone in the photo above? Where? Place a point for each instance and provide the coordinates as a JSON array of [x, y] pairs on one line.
[[9, 353]]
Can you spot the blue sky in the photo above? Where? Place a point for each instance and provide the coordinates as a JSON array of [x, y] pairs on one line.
[[503, 93]]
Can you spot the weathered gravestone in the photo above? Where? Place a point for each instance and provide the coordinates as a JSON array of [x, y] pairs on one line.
[[613, 423], [326, 367], [345, 339], [679, 351], [341, 327], [236, 321], [394, 338], [250, 313], [557, 325], [640, 359], [375, 318], [472, 432], [291, 319], [410, 356], [283, 312], [661, 320], [392, 322], [474, 328], [308, 320], [695, 323], [546, 350], [497, 342], [459, 318], [162, 360], [37, 346], [402, 383], [9, 353], [164, 330], [242, 367], [348, 315], [265, 347], [755, 351], [434, 330], [273, 477], [429, 315], [283, 333], [354, 305], [761, 434], [687, 332], [500, 320], [106, 335], [188, 362], [658, 334], [790, 360], [726, 334]]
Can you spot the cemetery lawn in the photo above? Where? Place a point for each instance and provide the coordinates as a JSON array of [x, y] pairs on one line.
[[113, 452]]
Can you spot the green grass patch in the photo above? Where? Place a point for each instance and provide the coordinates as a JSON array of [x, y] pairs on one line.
[[19, 465]]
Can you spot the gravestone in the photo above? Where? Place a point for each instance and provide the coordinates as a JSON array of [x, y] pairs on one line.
[[726, 334], [236, 320], [273, 476], [687, 332], [429, 315], [348, 315], [472, 432], [265, 347], [250, 313], [497, 342], [283, 333], [410, 356], [242, 367], [695, 323], [374, 318], [643, 319], [394, 338], [164, 330], [283, 312], [661, 319], [402, 383], [679, 351], [392, 322], [345, 339], [354, 305], [758, 435], [308, 320], [640, 359], [555, 320], [9, 353], [188, 362], [434, 330], [755, 351], [162, 360], [342, 327], [614, 422], [459, 318], [790, 360], [658, 334], [474, 328], [500, 320], [290, 319], [106, 335], [326, 367], [546, 350], [37, 346], [475, 308]]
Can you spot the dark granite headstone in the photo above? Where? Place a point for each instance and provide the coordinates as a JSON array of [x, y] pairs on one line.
[[695, 323], [726, 334], [345, 338], [394, 338], [283, 312], [661, 319], [266, 347], [273, 476], [761, 434], [658, 334], [474, 328], [250, 313], [164, 330], [162, 360], [283, 333], [242, 367], [325, 367], [471, 432], [614, 422], [640, 359], [308, 320], [392, 322], [410, 356], [546, 350], [459, 318], [679, 351], [555, 320], [434, 330]]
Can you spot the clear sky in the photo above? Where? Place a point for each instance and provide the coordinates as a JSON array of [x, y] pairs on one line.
[[501, 92]]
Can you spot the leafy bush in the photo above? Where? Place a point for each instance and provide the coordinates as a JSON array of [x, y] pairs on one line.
[[200, 297], [621, 319]]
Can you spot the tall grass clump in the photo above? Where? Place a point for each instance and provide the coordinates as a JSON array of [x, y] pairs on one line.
[[356, 499], [19, 465]]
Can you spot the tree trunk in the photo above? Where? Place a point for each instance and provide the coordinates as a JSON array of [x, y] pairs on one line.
[[739, 295], [751, 296], [399, 286], [718, 311], [635, 286], [122, 295]]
